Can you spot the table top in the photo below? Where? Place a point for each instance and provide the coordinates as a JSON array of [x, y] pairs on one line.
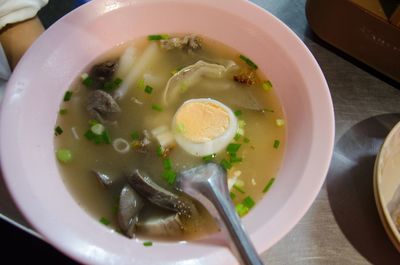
[[342, 226]]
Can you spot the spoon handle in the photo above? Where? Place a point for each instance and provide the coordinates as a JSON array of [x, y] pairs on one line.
[[240, 243]]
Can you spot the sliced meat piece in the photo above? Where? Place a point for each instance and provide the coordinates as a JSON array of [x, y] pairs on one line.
[[130, 204], [104, 72], [161, 226], [156, 194], [101, 105], [103, 179], [188, 43]]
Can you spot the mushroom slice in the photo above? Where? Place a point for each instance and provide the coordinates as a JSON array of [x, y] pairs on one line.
[[156, 194], [170, 225], [130, 204]]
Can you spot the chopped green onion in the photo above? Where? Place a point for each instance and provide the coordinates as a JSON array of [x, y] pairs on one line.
[[63, 111], [225, 164], [241, 123], [160, 150], [241, 209], [148, 89], [236, 187], [157, 107], [92, 122], [237, 113], [158, 37], [180, 128], [112, 85], [237, 137], [232, 195], [104, 221], [267, 85], [88, 81], [106, 137], [248, 202], [98, 128], [67, 96], [233, 148], [240, 131], [248, 61], [58, 131], [234, 159], [64, 155], [269, 184], [276, 144], [140, 84], [208, 158], [170, 176], [135, 135], [89, 135], [147, 243], [246, 140], [280, 122], [167, 164]]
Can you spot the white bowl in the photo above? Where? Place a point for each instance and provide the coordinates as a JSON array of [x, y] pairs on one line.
[[29, 112]]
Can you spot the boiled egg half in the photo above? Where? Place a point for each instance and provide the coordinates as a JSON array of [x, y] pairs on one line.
[[204, 126]]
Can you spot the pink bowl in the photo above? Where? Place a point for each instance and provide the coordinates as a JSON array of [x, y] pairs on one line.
[[29, 112]]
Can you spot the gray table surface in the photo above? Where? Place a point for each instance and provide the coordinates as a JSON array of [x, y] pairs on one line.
[[342, 226]]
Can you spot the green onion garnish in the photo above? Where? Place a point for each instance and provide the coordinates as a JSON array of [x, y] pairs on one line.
[[241, 123], [236, 187], [248, 202], [135, 135], [63, 111], [269, 184], [158, 37], [147, 243], [160, 150], [248, 61], [106, 137], [237, 137], [246, 140], [276, 144], [232, 195], [58, 131], [92, 122], [148, 89], [67, 96], [97, 133], [112, 85], [170, 176], [140, 84], [180, 128], [167, 164], [233, 148], [234, 159], [225, 164], [98, 128], [237, 113], [88, 81], [64, 155], [267, 85], [280, 122], [241, 209], [208, 158], [104, 221], [157, 107]]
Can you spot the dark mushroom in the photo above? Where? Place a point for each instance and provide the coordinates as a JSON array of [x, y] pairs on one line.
[[156, 194], [130, 204], [101, 105]]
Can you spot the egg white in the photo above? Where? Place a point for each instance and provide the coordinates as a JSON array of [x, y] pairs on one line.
[[212, 146]]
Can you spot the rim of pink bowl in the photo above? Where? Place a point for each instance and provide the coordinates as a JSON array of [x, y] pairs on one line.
[[83, 249]]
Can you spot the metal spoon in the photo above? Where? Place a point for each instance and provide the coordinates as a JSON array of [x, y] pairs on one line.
[[208, 184]]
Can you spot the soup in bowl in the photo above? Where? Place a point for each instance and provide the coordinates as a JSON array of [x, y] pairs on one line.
[[144, 98]]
